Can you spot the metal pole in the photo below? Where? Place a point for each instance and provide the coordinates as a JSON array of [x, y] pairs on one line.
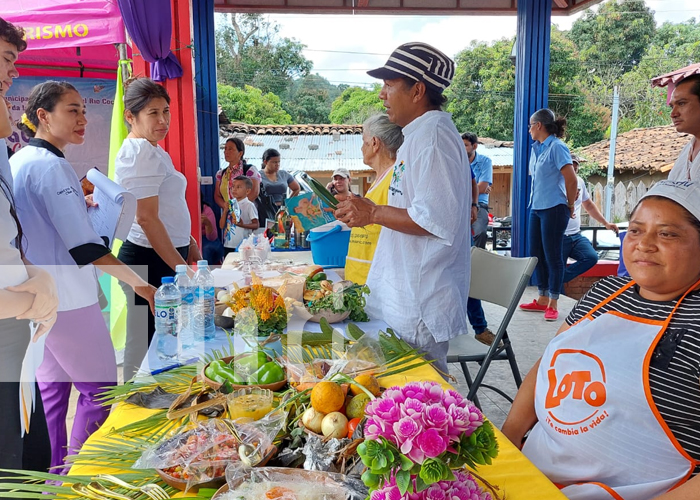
[[611, 159], [125, 66]]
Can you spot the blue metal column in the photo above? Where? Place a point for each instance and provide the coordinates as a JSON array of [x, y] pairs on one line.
[[531, 94], [205, 82]]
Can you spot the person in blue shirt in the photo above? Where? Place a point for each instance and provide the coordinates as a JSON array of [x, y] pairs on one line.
[[552, 205], [482, 176]]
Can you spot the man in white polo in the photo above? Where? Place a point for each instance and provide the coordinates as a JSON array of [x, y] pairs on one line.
[[419, 279]]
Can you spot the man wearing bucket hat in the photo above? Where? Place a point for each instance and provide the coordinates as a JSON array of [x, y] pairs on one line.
[[419, 278], [636, 341]]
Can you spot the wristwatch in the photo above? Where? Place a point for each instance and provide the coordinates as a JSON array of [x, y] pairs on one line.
[[475, 205]]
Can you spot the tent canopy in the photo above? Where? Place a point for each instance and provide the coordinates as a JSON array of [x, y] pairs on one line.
[[68, 38]]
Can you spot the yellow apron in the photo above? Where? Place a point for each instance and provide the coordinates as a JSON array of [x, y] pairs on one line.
[[363, 240]]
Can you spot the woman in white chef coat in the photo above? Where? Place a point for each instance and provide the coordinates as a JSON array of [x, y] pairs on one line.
[[60, 238], [160, 238], [26, 292]]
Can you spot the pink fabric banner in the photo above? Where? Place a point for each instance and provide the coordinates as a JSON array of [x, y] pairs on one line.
[[51, 24]]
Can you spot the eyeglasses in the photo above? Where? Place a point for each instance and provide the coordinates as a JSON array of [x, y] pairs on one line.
[[530, 125]]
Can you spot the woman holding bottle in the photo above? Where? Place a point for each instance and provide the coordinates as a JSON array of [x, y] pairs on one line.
[[60, 238], [159, 239]]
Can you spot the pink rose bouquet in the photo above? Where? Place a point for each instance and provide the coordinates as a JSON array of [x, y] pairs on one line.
[[416, 435]]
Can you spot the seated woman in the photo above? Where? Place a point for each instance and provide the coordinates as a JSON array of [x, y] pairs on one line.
[[599, 429], [380, 141]]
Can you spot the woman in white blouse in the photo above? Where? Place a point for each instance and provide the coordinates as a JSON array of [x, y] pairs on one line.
[[61, 239], [159, 239], [26, 292]]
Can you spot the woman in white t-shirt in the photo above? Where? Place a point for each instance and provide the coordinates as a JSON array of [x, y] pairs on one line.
[[26, 292], [159, 239], [60, 238]]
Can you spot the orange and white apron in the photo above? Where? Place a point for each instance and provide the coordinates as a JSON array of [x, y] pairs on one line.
[[599, 434], [363, 240]]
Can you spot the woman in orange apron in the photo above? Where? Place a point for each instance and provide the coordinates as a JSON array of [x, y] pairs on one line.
[[614, 403], [380, 141]]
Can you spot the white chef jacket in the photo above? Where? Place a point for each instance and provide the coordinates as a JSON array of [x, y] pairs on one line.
[[425, 279], [145, 171], [684, 169], [12, 270], [52, 210]]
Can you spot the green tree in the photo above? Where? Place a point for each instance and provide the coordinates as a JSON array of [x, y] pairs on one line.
[[249, 51], [356, 104], [482, 95], [309, 99], [251, 105]]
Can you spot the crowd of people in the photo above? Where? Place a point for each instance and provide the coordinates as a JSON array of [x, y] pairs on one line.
[[622, 374]]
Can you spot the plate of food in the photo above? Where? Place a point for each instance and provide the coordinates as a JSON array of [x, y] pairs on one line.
[[335, 302]]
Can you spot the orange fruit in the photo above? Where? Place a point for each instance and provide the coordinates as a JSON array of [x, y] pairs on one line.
[[327, 397], [369, 382]]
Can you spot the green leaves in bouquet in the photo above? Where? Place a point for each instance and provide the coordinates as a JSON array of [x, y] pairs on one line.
[[433, 470], [378, 456], [480, 448]]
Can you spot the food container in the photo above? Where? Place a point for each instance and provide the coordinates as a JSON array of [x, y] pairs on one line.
[[329, 245], [252, 403]]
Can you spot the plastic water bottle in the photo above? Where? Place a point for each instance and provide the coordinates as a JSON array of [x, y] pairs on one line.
[[167, 318], [203, 317], [186, 306]]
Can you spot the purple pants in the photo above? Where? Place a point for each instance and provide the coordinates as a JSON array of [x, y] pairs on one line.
[[78, 351]]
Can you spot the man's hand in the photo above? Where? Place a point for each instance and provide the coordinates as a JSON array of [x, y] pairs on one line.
[[356, 212], [475, 213], [147, 292], [42, 286], [612, 227]]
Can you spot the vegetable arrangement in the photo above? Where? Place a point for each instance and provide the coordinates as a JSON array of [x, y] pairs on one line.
[[322, 295], [254, 369]]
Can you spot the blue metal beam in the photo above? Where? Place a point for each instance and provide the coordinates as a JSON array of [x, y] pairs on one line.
[[531, 94], [205, 81]]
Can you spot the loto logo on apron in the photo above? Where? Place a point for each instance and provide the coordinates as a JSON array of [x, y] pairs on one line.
[[576, 390]]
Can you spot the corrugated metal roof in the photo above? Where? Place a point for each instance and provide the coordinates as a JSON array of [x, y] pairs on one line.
[[501, 157], [325, 153], [328, 154]]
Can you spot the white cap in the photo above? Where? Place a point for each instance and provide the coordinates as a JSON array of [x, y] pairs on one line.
[[685, 193], [343, 172]]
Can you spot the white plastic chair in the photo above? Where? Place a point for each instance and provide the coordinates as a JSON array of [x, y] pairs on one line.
[[497, 280]]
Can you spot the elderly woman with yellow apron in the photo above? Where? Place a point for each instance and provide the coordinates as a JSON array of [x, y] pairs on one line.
[[380, 141], [614, 402]]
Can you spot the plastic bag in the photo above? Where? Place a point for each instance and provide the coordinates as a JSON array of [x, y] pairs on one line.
[[362, 356], [201, 454], [290, 484]]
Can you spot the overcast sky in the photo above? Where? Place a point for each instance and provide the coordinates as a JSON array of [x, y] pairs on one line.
[[343, 48]]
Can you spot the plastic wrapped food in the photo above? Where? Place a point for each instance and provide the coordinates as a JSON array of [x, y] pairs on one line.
[[201, 454], [279, 483]]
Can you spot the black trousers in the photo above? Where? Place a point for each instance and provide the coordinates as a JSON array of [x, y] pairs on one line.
[[33, 452], [140, 323]]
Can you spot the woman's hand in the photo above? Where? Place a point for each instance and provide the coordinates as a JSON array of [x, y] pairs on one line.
[[207, 223], [42, 286], [147, 292], [44, 327], [193, 254]]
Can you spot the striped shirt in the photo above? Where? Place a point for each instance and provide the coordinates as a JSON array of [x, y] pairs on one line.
[[674, 380]]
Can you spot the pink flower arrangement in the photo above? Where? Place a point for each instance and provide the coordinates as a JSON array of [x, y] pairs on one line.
[[421, 419], [464, 487]]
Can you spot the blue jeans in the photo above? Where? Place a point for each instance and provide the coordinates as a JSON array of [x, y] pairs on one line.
[[545, 239], [476, 316], [581, 250]]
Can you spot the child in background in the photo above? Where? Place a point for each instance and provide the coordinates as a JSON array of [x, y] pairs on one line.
[[240, 227]]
